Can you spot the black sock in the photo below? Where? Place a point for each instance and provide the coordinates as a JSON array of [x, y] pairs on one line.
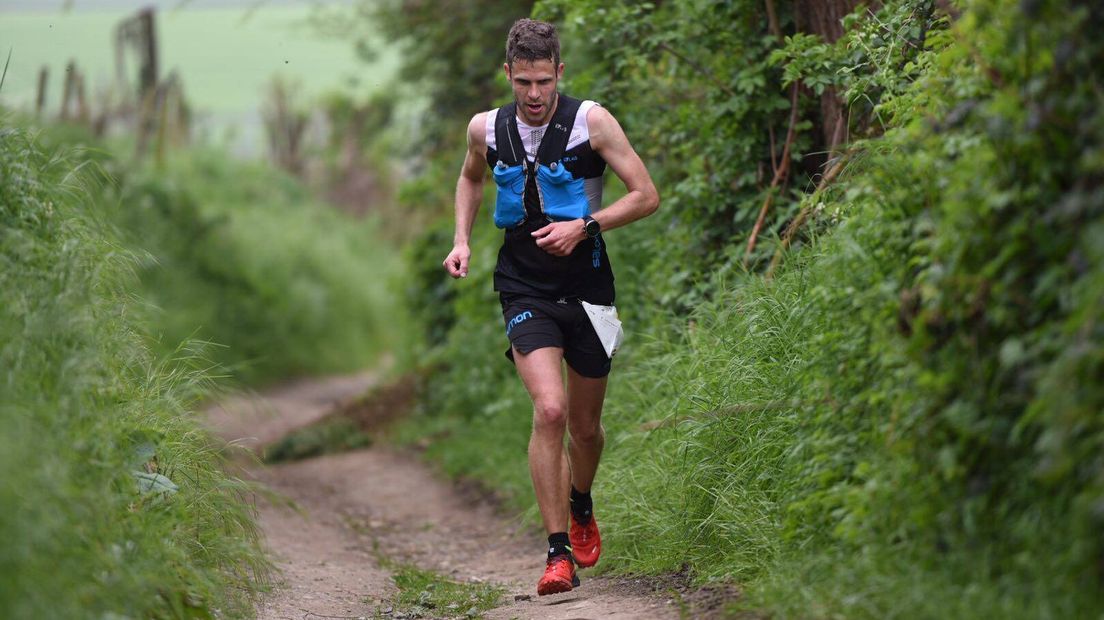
[[581, 506], [558, 544]]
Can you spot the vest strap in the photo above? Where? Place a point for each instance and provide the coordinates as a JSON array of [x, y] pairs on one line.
[[506, 133], [554, 142]]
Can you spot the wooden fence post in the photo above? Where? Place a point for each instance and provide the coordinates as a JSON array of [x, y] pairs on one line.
[[67, 90], [40, 98]]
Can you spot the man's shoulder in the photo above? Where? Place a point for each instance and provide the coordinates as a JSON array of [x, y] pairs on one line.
[[480, 119], [598, 114], [477, 129], [599, 121]]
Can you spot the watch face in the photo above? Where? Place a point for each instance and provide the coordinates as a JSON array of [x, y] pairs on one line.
[[592, 228]]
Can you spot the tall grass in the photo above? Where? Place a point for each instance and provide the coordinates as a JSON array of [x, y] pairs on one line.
[[243, 256], [85, 406], [126, 292]]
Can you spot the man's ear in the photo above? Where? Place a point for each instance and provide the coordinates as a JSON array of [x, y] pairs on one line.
[[506, 69], [559, 72]]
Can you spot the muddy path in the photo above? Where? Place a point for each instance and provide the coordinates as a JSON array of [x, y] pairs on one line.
[[353, 516]]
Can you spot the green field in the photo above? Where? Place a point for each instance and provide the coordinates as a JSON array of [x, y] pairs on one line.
[[226, 55]]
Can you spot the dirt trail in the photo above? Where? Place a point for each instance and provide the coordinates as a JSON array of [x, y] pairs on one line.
[[355, 507]]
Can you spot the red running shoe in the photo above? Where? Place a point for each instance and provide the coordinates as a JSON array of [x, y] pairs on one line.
[[586, 544], [559, 576]]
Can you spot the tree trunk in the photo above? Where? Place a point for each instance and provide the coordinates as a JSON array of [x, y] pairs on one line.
[[823, 17]]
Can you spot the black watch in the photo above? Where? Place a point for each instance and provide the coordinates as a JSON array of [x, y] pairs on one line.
[[591, 226]]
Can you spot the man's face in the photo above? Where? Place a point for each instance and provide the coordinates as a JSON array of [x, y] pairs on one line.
[[534, 84]]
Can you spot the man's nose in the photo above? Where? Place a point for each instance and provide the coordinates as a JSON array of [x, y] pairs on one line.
[[534, 92]]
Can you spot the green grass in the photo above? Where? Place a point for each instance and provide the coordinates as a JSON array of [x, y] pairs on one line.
[[326, 437], [427, 594], [105, 270], [241, 255], [86, 405]]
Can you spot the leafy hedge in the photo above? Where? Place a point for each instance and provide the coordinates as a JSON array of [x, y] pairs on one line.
[[115, 504], [902, 418], [125, 293], [242, 256]]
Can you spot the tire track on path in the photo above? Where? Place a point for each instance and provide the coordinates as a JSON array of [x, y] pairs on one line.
[[351, 509]]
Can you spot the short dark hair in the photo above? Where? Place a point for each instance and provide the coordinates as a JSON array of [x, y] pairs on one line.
[[532, 40]]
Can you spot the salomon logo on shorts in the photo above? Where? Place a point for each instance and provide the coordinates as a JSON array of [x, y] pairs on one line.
[[517, 319]]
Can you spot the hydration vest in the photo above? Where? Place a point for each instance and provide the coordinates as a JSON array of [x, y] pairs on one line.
[[560, 175]]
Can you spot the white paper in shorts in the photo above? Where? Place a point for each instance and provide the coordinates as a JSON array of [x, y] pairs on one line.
[[606, 325]]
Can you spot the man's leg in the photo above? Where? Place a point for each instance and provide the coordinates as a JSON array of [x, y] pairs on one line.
[[586, 439], [541, 372]]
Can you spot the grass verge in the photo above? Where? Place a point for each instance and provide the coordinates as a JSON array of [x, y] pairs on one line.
[[428, 594], [116, 504], [351, 425]]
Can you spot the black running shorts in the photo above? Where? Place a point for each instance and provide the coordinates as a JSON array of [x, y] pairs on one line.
[[534, 323]]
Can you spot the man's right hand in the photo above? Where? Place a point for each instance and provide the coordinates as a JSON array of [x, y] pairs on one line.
[[457, 262]]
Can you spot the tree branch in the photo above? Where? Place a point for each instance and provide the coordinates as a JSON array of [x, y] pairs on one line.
[[772, 21], [780, 175], [798, 221], [774, 161]]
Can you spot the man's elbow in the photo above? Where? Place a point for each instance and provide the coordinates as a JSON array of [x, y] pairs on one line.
[[473, 182], [651, 200]]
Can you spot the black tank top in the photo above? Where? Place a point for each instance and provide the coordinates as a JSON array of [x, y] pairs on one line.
[[523, 267]]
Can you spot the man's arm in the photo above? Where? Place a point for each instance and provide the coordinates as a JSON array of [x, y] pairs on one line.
[[642, 199], [469, 193]]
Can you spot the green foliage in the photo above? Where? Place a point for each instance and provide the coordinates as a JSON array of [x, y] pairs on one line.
[[906, 420], [807, 59], [694, 88], [92, 418], [122, 506], [1007, 293], [327, 437], [452, 56], [426, 594], [240, 255]]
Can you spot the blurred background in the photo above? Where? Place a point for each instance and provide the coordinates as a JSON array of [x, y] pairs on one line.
[[224, 55]]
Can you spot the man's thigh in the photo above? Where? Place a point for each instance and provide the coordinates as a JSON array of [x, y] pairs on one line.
[[585, 396], [541, 372]]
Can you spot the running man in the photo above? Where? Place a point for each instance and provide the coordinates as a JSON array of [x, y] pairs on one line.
[[547, 153]]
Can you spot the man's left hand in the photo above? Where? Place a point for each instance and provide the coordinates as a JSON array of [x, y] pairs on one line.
[[560, 238]]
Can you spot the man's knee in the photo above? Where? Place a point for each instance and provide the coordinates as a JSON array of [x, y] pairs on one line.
[[549, 414], [588, 432]]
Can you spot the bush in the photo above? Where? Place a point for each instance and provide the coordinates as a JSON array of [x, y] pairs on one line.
[[115, 501], [242, 256], [905, 420]]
